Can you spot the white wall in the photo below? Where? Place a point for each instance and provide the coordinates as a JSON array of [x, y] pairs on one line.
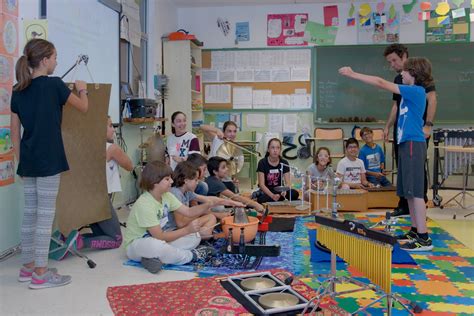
[[163, 19], [202, 22]]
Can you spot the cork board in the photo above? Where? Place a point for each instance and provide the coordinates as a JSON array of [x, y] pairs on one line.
[[276, 87], [83, 197]]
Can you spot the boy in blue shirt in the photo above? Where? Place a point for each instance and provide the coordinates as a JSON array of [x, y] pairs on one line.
[[374, 159], [411, 141]]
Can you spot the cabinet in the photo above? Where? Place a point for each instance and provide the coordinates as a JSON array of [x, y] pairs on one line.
[[182, 63]]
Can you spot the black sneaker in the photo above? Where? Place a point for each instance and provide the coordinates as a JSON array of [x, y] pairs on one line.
[[201, 253], [411, 235], [398, 212], [153, 265], [418, 244]]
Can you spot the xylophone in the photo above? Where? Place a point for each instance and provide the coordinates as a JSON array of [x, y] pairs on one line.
[[348, 200], [454, 161], [383, 197], [368, 250], [287, 207]]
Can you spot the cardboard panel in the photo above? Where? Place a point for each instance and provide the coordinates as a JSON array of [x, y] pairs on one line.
[[83, 197]]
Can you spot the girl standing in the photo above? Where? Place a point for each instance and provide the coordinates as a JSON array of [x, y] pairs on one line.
[[36, 105]]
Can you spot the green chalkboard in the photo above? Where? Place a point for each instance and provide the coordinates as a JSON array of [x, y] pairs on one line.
[[338, 96]]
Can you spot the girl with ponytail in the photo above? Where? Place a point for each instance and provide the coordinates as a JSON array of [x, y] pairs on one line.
[[36, 105]]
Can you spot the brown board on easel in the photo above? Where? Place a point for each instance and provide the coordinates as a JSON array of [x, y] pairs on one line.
[[275, 87], [83, 198]]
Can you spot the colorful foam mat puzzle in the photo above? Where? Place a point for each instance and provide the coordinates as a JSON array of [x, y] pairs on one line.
[[441, 282]]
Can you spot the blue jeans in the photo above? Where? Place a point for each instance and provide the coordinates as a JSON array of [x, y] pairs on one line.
[[383, 181]]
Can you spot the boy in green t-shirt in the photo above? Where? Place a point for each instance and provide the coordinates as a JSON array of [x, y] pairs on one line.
[[152, 236]]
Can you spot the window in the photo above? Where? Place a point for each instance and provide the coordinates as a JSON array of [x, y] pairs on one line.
[[133, 59]]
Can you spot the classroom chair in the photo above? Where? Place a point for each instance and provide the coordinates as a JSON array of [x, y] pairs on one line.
[[333, 138]]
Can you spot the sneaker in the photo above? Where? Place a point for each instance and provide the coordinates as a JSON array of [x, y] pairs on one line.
[[411, 235], [398, 212], [418, 244], [201, 253], [25, 273], [47, 280], [153, 265]]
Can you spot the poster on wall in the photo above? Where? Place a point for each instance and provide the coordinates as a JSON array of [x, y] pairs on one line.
[[9, 7], [35, 29], [6, 145], [319, 34], [446, 28], [9, 32], [379, 28], [286, 29], [7, 170], [5, 96]]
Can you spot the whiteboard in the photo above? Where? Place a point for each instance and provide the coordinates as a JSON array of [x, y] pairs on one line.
[[90, 28]]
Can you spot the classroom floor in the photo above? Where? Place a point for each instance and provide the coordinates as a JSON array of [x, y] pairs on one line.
[[87, 293]]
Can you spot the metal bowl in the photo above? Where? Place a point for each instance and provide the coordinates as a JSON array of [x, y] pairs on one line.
[[257, 283], [276, 300]]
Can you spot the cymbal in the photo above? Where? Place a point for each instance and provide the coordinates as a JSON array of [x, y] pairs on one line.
[[281, 188], [155, 148], [257, 283], [273, 300], [233, 155]]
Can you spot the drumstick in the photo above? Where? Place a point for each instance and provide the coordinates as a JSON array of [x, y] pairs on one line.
[[208, 227]]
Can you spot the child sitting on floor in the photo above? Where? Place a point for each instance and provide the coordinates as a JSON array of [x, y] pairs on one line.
[[218, 171], [374, 159], [351, 169], [272, 169], [200, 163], [151, 235], [318, 169], [106, 234], [185, 178]]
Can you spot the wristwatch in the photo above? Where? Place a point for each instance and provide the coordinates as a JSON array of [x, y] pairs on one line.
[[428, 123]]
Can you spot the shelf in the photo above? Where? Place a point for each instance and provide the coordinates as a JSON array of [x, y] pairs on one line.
[[144, 120], [258, 110]]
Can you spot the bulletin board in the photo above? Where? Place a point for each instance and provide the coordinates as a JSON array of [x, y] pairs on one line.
[[285, 88]]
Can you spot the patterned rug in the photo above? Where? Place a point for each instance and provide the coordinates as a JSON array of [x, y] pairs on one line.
[[226, 264], [200, 296], [441, 282]]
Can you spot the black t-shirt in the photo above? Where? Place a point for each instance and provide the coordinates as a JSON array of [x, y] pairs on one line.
[[216, 186], [40, 109], [397, 97], [272, 174]]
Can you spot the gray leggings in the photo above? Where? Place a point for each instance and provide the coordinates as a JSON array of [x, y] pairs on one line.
[[40, 207], [105, 234]]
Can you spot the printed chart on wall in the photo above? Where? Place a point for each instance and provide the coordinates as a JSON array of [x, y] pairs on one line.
[[379, 26], [257, 79], [286, 29], [8, 51], [451, 27]]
